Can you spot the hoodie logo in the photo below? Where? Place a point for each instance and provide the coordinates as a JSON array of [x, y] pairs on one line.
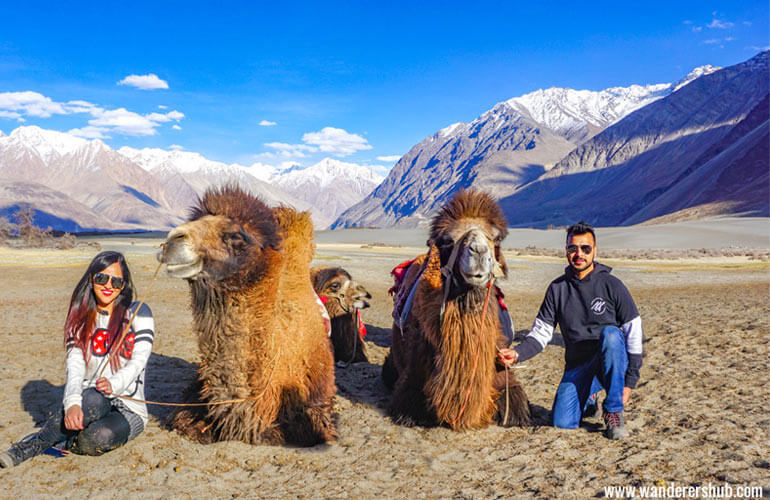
[[598, 305]]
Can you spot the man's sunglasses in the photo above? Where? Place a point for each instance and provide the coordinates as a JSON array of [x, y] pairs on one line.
[[585, 248], [102, 279]]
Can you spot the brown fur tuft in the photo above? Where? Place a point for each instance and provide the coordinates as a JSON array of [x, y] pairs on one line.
[[231, 201], [468, 204]]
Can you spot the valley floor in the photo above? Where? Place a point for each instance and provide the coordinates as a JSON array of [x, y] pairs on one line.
[[699, 415]]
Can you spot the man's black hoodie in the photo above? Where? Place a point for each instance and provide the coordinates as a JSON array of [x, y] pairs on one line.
[[582, 308]]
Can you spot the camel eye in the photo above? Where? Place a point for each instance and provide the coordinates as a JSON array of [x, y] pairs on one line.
[[237, 239], [334, 286]]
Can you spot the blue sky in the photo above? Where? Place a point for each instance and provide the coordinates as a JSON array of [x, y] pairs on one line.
[[359, 81]]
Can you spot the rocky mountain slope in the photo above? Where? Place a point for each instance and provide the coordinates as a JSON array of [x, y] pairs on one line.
[[664, 158], [501, 151]]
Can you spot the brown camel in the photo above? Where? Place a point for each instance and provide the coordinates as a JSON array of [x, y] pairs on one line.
[[344, 298], [442, 364], [260, 331]]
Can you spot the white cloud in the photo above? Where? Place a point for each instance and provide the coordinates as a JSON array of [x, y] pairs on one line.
[[161, 106], [717, 24], [158, 117], [266, 123], [712, 41], [124, 122], [80, 107], [176, 127], [13, 115], [289, 150], [336, 141], [176, 147], [31, 104], [165, 117], [729, 39], [89, 132], [144, 82], [390, 158], [687, 21], [697, 29], [758, 49], [747, 23], [17, 105]]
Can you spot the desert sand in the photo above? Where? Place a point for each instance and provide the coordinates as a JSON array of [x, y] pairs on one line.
[[700, 414]]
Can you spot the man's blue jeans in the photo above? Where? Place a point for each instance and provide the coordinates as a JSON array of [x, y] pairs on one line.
[[606, 370]]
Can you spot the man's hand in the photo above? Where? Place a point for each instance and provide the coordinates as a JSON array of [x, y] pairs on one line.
[[626, 395], [507, 357], [103, 385], [73, 418]]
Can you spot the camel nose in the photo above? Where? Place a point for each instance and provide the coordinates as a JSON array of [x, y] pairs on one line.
[[175, 236], [478, 247]]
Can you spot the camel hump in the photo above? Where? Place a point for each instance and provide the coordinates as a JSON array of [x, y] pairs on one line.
[[293, 223], [297, 228]]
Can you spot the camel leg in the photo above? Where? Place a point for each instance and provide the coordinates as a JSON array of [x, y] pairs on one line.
[[389, 372], [191, 421], [360, 356], [310, 421], [408, 405], [518, 404]]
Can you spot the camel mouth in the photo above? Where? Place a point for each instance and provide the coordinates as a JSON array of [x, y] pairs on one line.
[[476, 279], [186, 270]]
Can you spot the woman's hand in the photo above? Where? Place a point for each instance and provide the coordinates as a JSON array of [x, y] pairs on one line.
[[73, 418], [103, 385]]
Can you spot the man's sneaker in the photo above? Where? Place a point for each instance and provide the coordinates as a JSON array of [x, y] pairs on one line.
[[27, 448], [615, 426], [591, 408]]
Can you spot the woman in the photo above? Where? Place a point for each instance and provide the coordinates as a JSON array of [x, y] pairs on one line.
[[92, 420]]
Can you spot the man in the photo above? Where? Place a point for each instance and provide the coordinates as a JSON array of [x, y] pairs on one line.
[[602, 334]]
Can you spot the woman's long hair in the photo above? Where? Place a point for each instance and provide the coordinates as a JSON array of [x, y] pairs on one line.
[[81, 316]]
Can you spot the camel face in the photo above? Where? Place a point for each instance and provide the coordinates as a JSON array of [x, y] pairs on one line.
[[359, 295], [476, 254], [214, 245], [476, 262], [336, 283]]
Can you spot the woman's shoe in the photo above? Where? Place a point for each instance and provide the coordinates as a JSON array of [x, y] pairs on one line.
[[27, 448]]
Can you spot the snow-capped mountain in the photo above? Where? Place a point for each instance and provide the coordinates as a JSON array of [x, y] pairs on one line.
[[577, 115], [87, 172], [191, 174], [330, 184], [97, 187], [46, 144]]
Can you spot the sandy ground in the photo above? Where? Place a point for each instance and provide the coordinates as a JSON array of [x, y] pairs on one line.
[[699, 415]]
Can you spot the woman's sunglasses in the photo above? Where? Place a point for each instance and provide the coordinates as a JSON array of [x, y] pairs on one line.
[[102, 279], [585, 248]]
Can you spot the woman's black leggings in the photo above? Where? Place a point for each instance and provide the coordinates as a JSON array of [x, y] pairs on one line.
[[104, 427]]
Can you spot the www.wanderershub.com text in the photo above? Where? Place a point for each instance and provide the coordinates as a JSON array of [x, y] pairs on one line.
[[708, 490]]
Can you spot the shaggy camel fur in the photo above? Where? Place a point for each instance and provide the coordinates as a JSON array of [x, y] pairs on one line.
[[343, 298], [260, 331], [431, 363]]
